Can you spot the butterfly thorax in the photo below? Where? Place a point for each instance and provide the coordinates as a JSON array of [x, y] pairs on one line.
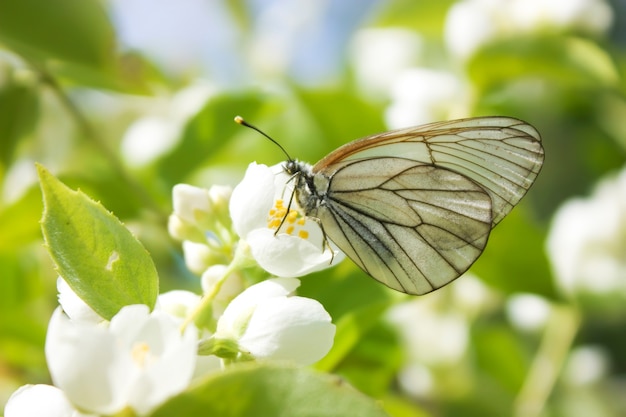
[[310, 188]]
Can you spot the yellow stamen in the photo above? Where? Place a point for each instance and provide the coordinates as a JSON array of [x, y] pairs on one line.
[[292, 216], [140, 353], [292, 220], [273, 223]]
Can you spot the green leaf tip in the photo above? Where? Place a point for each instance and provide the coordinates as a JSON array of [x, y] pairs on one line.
[[95, 254]]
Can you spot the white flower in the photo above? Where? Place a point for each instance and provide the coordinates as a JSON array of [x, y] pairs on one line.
[[258, 206], [268, 323], [587, 243], [202, 221], [421, 95], [139, 360], [40, 400], [190, 203], [178, 303], [200, 208], [74, 306], [198, 256]]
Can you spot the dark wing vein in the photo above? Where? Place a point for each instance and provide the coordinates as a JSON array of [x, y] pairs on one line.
[[503, 155], [415, 231], [367, 249]]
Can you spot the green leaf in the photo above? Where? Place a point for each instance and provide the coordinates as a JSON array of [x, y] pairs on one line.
[[98, 257], [76, 31], [270, 391]]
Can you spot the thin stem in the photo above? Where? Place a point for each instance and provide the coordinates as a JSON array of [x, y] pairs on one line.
[[207, 299], [90, 133], [548, 362]]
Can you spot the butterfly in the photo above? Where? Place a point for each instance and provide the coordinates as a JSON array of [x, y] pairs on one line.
[[414, 207]]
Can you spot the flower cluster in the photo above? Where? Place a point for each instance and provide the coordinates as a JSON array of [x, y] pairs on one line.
[[389, 63], [139, 358]]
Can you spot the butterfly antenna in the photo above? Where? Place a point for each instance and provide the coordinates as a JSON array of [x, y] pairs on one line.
[[239, 119]]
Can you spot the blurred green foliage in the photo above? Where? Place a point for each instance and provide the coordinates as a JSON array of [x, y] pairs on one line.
[[68, 93]]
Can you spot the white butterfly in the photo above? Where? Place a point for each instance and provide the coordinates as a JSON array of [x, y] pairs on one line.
[[414, 207]]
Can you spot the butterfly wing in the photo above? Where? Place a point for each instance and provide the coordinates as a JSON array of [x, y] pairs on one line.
[[502, 155], [414, 207]]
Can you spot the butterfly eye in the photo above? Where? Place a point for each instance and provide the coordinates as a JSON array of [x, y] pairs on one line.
[[291, 167]]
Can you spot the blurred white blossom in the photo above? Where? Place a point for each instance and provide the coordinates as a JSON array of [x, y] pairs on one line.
[[417, 380], [139, 360], [267, 322], [257, 208], [157, 133], [421, 95], [471, 296], [592, 16], [435, 332], [528, 311], [586, 365], [450, 327], [473, 23], [379, 55], [587, 244]]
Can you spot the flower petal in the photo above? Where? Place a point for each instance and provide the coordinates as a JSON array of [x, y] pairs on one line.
[[39, 400], [73, 305], [288, 256], [178, 303], [294, 329], [84, 362], [245, 303], [172, 366], [252, 199], [187, 200]]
